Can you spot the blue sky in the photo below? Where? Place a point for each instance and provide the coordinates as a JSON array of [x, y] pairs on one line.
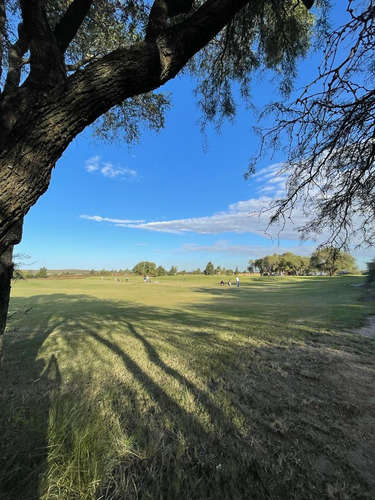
[[170, 199]]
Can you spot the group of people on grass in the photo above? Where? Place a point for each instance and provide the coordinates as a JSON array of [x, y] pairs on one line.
[[230, 282]]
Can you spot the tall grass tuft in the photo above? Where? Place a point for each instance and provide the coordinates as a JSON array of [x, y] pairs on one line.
[[85, 442]]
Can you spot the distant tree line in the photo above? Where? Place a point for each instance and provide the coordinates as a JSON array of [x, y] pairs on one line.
[[211, 270], [149, 268], [19, 274], [326, 260]]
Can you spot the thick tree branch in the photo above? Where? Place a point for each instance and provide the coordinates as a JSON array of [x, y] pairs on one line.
[[70, 107], [2, 33], [161, 10], [16, 52], [9, 103], [69, 24], [79, 64], [46, 58]]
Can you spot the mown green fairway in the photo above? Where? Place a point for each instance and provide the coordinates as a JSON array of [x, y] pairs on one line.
[[183, 389]]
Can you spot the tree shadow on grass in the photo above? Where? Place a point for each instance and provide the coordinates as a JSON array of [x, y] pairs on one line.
[[26, 385], [41, 362], [207, 417]]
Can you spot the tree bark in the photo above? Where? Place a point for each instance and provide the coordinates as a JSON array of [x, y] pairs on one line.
[[6, 273]]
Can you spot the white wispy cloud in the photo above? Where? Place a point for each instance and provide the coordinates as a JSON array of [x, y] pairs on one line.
[[107, 169], [92, 164], [255, 251], [271, 181], [248, 216], [98, 218], [245, 216]]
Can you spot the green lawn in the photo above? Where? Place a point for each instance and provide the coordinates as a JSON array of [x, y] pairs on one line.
[[183, 389]]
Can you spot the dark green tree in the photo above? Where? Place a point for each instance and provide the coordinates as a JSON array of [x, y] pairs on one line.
[[173, 271], [251, 266], [160, 271], [145, 267], [42, 273], [271, 263], [258, 264], [331, 260], [210, 269]]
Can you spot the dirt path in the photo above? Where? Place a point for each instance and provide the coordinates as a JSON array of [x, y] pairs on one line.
[[368, 330]]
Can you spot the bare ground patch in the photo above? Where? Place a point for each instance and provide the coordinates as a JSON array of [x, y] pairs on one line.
[[367, 330], [313, 421]]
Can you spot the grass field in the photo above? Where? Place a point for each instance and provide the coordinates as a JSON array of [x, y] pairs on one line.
[[183, 389]]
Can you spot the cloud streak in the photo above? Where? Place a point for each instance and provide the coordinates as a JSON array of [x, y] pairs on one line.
[[255, 251], [246, 216], [107, 169], [117, 222]]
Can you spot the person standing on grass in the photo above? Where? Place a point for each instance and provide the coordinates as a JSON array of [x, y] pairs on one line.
[[238, 281]]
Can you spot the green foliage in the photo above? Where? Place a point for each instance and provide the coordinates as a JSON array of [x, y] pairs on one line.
[[124, 122], [173, 271], [332, 260], [42, 273], [18, 275], [271, 263], [210, 269], [109, 25], [326, 260], [263, 34], [19, 261], [160, 271], [196, 271], [145, 267], [251, 266]]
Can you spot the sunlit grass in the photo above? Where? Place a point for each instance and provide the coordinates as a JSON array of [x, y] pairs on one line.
[[179, 388]]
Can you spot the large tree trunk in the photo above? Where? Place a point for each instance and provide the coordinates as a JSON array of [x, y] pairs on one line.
[[6, 271]]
